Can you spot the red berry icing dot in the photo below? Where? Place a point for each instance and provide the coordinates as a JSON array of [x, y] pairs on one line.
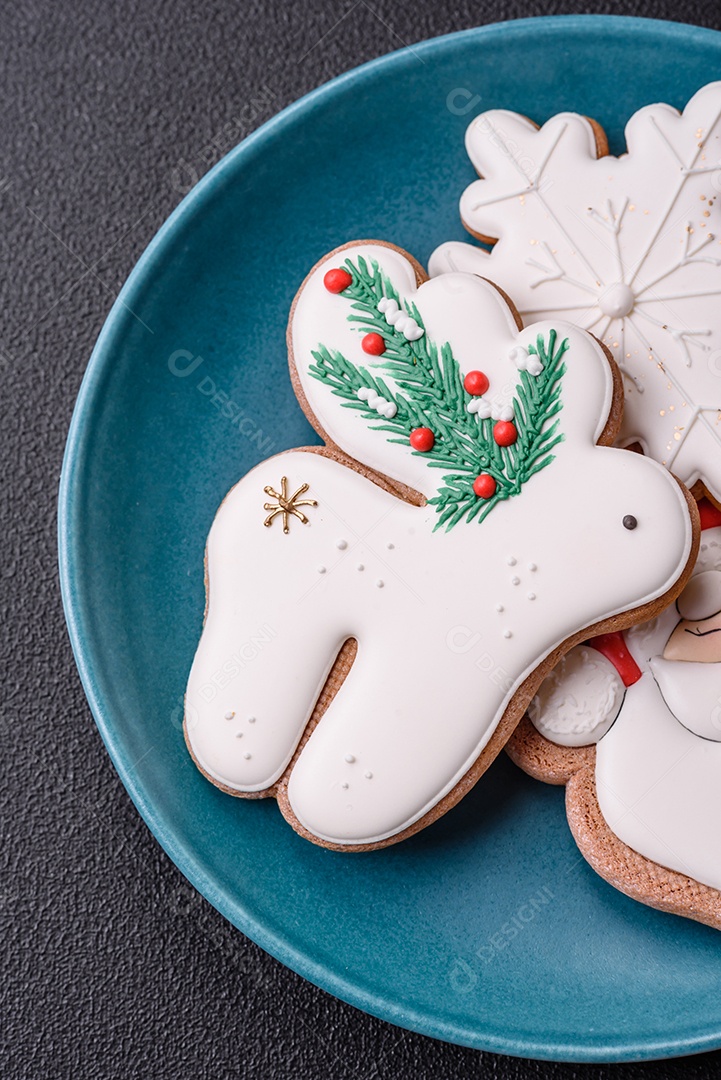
[[484, 486], [504, 432], [336, 280], [373, 344], [476, 383], [423, 439]]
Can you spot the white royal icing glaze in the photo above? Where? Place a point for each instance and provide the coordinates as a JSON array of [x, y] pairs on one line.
[[658, 766], [627, 247], [701, 597], [577, 703], [658, 785], [448, 639]]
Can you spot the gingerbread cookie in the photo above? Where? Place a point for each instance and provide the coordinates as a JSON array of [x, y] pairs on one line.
[[466, 503], [628, 247], [643, 795]]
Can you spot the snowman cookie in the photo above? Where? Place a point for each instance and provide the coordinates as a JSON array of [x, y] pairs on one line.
[[643, 795], [628, 248], [466, 504]]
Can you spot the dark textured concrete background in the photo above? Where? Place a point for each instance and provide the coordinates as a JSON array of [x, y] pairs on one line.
[[112, 965]]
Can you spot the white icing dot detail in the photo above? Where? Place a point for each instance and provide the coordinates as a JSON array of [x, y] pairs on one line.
[[481, 406], [403, 323], [507, 633], [499, 607], [360, 566], [502, 411], [390, 546], [344, 785], [321, 569], [498, 409], [525, 361], [511, 561], [246, 755], [531, 596], [617, 301], [532, 567], [375, 401], [341, 544], [380, 584], [368, 775], [239, 734], [515, 580], [350, 758], [251, 719], [387, 306], [229, 715]]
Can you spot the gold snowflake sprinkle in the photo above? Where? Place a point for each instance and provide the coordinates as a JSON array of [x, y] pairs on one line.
[[286, 504]]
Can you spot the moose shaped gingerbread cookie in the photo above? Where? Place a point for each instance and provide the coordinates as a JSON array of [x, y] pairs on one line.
[[631, 723], [466, 503], [628, 247]]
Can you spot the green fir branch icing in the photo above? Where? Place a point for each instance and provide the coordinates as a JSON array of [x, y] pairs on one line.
[[430, 393]]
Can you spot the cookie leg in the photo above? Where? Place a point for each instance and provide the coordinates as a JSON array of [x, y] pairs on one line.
[[246, 707], [388, 748]]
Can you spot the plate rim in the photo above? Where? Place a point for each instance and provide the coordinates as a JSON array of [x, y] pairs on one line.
[[186, 860]]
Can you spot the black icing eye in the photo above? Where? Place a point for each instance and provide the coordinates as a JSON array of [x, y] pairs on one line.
[[629, 522]]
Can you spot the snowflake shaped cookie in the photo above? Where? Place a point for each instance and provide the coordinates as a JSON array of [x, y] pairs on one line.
[[629, 248]]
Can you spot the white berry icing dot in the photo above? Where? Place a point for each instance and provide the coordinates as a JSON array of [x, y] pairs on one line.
[[499, 607], [390, 546], [368, 775], [532, 567], [375, 401], [239, 734], [360, 566], [350, 758], [251, 719], [344, 785], [507, 633], [341, 544], [511, 561], [525, 361], [321, 569], [246, 755], [515, 580], [379, 584], [531, 596], [229, 715], [617, 301]]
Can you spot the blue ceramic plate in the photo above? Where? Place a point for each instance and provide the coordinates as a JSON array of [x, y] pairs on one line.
[[488, 928]]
